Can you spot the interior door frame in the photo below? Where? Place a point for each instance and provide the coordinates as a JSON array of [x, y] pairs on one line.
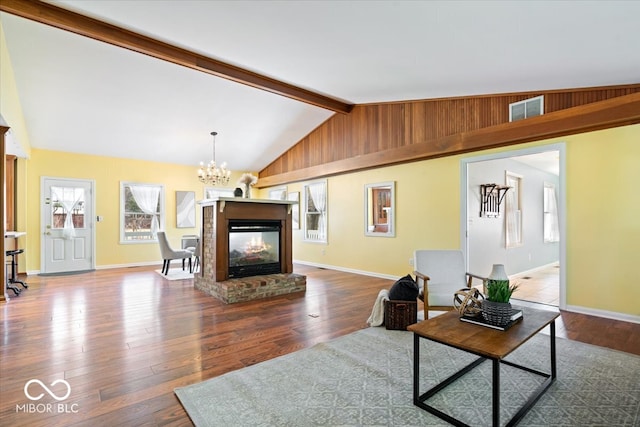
[[43, 222], [562, 203]]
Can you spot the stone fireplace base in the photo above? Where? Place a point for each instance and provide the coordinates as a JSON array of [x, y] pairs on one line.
[[252, 288]]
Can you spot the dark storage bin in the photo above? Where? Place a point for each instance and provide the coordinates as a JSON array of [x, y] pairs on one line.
[[400, 314]]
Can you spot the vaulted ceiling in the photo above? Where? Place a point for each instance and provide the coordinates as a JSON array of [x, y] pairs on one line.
[[86, 96]]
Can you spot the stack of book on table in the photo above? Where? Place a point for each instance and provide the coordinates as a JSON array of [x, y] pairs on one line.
[[516, 316]]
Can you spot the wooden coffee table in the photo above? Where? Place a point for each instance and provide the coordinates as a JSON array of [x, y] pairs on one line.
[[489, 344]]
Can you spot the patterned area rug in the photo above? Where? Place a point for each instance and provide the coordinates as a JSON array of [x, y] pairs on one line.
[[365, 379]]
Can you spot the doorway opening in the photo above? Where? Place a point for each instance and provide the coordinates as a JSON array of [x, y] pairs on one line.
[[536, 261]]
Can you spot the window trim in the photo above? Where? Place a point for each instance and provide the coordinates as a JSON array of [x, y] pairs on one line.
[[161, 221]]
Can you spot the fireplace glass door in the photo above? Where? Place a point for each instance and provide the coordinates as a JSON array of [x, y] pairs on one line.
[[254, 248]]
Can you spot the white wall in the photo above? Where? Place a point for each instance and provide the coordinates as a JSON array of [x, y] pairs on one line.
[[487, 235]]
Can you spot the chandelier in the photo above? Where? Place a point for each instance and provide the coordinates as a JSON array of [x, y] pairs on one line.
[[212, 174]]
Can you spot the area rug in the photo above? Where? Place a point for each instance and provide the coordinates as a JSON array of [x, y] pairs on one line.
[[176, 274], [365, 379]]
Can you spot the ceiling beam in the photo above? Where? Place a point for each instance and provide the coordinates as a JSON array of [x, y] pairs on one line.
[[64, 19], [614, 112]]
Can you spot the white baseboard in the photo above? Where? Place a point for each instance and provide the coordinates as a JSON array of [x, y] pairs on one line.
[[348, 270], [603, 313], [107, 267]]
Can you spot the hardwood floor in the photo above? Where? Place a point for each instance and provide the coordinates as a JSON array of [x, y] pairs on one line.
[[123, 339], [542, 286]]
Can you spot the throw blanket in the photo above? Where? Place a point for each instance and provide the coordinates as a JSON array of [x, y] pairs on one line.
[[377, 314]]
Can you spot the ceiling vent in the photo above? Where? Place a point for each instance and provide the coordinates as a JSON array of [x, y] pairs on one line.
[[528, 108]]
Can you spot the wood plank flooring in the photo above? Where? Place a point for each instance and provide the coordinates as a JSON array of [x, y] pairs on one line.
[[542, 286], [123, 339]]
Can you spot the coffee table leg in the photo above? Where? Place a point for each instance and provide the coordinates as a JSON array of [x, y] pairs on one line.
[[552, 337], [496, 392], [416, 369]]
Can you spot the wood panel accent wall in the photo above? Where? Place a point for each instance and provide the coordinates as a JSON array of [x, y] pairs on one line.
[[380, 134]]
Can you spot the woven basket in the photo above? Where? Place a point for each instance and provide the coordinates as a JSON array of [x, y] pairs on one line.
[[400, 314], [496, 313]]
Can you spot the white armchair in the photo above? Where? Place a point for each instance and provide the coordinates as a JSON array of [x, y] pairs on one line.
[[439, 274]]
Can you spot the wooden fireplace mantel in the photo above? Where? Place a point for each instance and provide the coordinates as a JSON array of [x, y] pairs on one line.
[[216, 214]]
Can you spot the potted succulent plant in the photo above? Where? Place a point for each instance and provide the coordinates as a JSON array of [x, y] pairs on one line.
[[496, 308]]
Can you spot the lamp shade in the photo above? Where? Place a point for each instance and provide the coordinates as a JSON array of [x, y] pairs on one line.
[[498, 273]]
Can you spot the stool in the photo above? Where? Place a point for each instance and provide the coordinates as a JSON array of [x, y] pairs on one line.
[[13, 279]]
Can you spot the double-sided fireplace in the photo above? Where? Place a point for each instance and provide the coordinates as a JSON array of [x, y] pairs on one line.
[[254, 247], [247, 250]]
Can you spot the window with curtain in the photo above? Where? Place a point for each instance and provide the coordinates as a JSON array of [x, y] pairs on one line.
[[315, 218], [513, 210], [142, 212], [551, 222]]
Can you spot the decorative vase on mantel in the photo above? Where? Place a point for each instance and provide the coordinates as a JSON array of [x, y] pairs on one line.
[[247, 181], [495, 312]]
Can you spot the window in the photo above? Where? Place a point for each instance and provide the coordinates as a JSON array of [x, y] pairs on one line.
[[528, 108], [141, 212], [279, 193], [513, 210], [315, 212], [551, 223]]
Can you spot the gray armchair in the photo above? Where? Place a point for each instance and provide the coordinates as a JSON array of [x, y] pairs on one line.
[[169, 254]]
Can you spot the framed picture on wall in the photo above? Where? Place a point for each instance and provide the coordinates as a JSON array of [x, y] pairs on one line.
[[295, 209], [185, 209]]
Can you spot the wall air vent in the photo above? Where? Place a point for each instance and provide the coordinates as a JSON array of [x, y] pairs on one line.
[[528, 108]]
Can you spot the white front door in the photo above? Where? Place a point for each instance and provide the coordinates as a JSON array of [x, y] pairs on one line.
[[67, 223]]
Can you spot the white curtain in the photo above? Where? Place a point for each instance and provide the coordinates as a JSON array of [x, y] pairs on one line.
[[318, 194], [147, 199], [512, 213], [551, 224], [69, 198]]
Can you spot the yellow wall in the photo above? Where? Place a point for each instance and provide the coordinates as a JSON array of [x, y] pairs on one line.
[[107, 173], [417, 188], [603, 217], [603, 221]]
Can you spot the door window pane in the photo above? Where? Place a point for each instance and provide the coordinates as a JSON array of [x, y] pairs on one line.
[[68, 207]]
